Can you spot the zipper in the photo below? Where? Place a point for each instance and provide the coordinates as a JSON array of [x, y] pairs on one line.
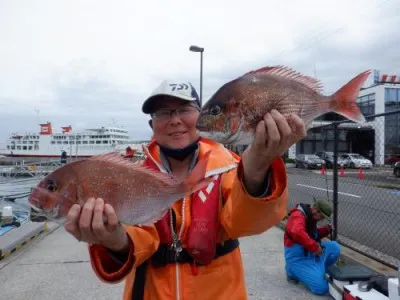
[[177, 244]]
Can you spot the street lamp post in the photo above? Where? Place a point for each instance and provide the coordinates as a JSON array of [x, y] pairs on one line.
[[201, 50]]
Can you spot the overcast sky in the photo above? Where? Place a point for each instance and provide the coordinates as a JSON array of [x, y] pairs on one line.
[[87, 63]]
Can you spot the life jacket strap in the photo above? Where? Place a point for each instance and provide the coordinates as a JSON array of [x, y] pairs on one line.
[[165, 255]]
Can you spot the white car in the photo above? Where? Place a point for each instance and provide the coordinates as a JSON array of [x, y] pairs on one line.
[[355, 160]]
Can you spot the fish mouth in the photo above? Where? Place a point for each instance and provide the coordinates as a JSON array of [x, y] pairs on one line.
[[52, 213], [35, 203], [34, 206]]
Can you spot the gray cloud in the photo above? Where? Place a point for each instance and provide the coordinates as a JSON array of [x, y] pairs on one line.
[[88, 72]]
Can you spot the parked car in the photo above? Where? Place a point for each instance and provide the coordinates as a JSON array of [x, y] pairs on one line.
[[309, 161], [328, 158], [392, 160], [355, 160], [396, 169]]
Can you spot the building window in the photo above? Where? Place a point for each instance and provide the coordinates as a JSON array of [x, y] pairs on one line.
[[392, 122], [367, 104], [392, 95]]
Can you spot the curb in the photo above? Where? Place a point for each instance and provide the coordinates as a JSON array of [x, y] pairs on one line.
[[24, 239]]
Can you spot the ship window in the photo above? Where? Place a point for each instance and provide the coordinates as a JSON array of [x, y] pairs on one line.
[[71, 142], [92, 142], [24, 147], [105, 142], [30, 142], [12, 147], [8, 147], [53, 142], [98, 142], [65, 142], [85, 142], [78, 142], [18, 147], [30, 147], [58, 142]]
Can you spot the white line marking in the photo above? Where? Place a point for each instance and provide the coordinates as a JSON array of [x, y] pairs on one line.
[[317, 188], [209, 187], [202, 196]]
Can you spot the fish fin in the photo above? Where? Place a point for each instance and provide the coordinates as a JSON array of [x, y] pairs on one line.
[[344, 101], [107, 156], [116, 158], [197, 179], [289, 73]]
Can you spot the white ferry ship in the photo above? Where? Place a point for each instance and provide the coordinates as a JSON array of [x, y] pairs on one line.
[[87, 143]]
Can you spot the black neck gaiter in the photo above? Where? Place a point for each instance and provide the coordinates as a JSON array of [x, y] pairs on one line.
[[181, 153]]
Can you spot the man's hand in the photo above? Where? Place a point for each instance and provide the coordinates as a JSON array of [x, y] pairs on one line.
[[274, 135], [87, 224], [319, 251]]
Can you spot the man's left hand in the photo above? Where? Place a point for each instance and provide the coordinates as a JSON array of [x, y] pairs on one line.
[[274, 135]]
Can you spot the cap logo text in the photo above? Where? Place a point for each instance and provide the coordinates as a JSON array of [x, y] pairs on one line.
[[178, 87]]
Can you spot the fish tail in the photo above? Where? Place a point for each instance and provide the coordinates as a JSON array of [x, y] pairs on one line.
[[196, 179], [344, 101]]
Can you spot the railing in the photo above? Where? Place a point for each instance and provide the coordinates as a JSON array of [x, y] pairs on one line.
[[40, 168], [366, 201]]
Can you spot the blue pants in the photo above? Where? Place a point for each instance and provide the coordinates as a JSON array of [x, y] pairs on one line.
[[310, 270]]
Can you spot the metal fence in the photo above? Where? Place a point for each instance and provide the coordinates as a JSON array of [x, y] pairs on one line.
[[366, 198]]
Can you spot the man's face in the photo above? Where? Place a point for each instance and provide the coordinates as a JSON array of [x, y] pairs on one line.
[[176, 129], [316, 214]]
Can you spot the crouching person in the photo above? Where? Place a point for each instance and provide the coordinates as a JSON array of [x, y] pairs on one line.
[[306, 256]]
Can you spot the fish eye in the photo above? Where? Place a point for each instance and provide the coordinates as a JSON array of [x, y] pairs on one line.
[[216, 110], [51, 186]]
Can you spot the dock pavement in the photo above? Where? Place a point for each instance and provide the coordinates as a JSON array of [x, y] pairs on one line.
[[54, 266]]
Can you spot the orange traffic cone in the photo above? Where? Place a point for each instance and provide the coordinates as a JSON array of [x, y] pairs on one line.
[[323, 170], [341, 171], [360, 174]]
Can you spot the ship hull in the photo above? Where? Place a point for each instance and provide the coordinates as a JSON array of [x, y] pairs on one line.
[[50, 145]]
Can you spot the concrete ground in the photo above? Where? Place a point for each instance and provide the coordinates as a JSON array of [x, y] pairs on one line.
[[57, 267]]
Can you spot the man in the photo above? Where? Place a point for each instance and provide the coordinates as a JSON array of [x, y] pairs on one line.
[[306, 256], [193, 251]]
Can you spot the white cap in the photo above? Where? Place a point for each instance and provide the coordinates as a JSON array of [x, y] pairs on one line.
[[180, 90]]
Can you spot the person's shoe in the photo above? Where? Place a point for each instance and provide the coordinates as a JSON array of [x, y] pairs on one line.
[[291, 280]]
